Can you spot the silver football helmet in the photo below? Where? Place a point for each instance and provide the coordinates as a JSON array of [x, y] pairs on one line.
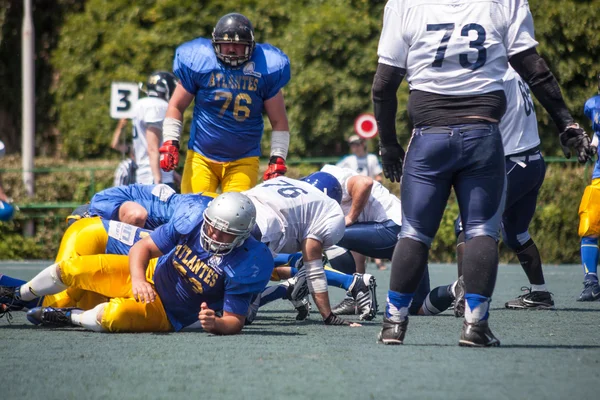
[[232, 213]]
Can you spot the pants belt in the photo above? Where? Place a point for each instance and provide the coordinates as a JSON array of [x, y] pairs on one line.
[[452, 129]]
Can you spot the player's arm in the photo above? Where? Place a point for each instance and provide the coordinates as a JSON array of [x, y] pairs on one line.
[[359, 187], [535, 72], [385, 105], [153, 138], [115, 142], [280, 137], [139, 256], [228, 324], [172, 126]]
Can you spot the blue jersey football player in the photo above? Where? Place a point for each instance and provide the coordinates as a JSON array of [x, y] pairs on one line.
[[185, 271], [589, 212], [232, 80]]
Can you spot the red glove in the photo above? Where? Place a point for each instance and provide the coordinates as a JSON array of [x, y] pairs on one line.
[[276, 168], [169, 155]]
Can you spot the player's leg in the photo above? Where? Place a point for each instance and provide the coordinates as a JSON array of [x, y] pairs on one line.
[[480, 191], [589, 230], [426, 184], [240, 175], [198, 175], [525, 177], [116, 316]]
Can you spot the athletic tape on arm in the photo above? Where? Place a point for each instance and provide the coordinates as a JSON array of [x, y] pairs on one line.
[[171, 129], [315, 276], [280, 142]]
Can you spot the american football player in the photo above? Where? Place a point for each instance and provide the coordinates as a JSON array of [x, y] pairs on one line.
[[233, 80]]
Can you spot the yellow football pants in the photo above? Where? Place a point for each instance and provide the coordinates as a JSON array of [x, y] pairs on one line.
[[108, 275], [86, 236], [589, 210], [201, 174]]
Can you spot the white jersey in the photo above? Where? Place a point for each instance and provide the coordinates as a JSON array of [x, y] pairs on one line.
[[381, 206], [367, 166], [454, 47], [148, 112], [518, 126], [289, 211]]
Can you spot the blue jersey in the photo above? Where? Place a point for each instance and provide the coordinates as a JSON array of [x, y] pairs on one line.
[[161, 202], [121, 236], [592, 111], [228, 124], [186, 275]]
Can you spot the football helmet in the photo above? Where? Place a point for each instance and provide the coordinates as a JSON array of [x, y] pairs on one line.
[[233, 28], [232, 213], [161, 84], [6, 211], [326, 183]]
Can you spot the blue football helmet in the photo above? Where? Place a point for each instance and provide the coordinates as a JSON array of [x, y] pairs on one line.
[[6, 211], [326, 183]]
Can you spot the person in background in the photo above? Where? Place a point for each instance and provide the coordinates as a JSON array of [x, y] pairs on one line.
[[6, 209], [365, 164]]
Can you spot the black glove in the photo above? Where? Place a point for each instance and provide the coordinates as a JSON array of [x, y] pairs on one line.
[[391, 161], [335, 320], [575, 138]]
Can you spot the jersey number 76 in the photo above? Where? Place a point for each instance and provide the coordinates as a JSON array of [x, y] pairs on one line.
[[240, 111]]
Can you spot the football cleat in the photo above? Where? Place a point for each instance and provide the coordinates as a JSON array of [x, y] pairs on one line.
[[362, 290], [392, 332], [459, 298], [302, 308], [531, 300], [591, 291], [9, 297], [477, 334], [346, 307], [51, 317], [297, 293]]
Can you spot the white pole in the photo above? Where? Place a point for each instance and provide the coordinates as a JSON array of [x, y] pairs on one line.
[[28, 129]]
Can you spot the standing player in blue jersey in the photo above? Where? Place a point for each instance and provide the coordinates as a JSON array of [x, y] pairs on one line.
[[454, 54], [589, 212], [209, 264], [232, 80]]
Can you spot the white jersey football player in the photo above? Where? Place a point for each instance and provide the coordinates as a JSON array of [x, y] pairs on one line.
[[302, 215], [149, 113], [454, 54]]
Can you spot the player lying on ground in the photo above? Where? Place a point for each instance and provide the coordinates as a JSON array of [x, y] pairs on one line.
[[181, 273]]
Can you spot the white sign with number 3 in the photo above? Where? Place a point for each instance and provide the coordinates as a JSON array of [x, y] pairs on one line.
[[123, 96]]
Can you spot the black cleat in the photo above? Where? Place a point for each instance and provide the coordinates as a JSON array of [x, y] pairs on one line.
[[477, 334], [459, 298], [531, 300], [392, 332], [346, 307], [363, 290], [591, 291], [50, 316]]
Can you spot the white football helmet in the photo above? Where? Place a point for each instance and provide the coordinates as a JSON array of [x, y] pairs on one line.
[[231, 213]]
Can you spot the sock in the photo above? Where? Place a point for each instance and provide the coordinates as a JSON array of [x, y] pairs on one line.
[[6, 280], [397, 305], [46, 282], [272, 293], [480, 265], [476, 307], [337, 279], [589, 257], [88, 319], [438, 300], [293, 271], [286, 259], [530, 260], [538, 288]]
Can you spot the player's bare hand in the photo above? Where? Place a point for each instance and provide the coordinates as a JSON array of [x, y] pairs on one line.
[[143, 291], [207, 318], [349, 221]]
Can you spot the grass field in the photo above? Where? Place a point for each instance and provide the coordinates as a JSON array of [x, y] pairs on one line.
[[544, 354]]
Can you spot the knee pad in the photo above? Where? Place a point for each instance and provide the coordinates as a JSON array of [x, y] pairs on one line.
[[589, 212]]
